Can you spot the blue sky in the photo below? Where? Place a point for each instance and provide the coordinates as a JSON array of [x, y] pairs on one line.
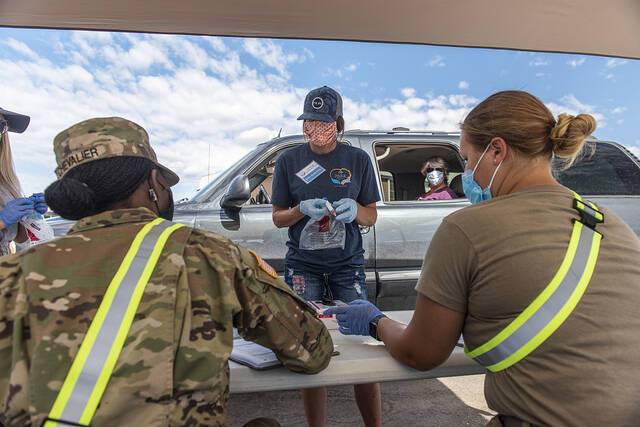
[[193, 93]]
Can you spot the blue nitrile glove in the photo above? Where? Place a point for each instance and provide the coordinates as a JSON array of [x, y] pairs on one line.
[[354, 319], [15, 210], [39, 204], [314, 208], [346, 210]]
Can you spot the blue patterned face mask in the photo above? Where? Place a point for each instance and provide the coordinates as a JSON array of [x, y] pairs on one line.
[[470, 186]]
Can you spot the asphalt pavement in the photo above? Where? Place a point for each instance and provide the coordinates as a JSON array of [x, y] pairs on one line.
[[455, 401]]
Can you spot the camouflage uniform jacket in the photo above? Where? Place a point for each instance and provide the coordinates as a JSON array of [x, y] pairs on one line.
[[173, 368]]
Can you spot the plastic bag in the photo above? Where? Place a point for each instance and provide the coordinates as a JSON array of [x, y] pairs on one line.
[[324, 233], [38, 231]]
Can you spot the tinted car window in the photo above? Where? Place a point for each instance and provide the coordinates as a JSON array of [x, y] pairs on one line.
[[609, 171]]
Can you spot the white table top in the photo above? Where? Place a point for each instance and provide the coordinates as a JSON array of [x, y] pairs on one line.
[[361, 360]]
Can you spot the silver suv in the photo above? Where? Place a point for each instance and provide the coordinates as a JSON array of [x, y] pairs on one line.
[[237, 204]]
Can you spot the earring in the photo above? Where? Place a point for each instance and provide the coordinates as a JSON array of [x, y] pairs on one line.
[[152, 195]]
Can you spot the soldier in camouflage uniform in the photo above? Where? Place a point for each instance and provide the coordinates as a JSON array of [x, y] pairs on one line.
[[173, 369]]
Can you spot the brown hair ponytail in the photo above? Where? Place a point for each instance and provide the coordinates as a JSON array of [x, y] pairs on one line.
[[527, 126]]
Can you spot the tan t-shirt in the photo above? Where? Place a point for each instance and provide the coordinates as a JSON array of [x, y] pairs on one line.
[[490, 261]]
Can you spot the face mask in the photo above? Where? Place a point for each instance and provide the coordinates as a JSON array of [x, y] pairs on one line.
[[168, 212], [320, 133], [435, 178], [472, 189]]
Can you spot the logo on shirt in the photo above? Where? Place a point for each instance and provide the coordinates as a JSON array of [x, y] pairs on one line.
[[340, 177], [317, 103]]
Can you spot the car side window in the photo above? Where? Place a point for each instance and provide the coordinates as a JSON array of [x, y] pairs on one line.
[[400, 171], [261, 179], [608, 171]]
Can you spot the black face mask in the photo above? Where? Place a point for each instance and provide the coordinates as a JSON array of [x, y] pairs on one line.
[[167, 213]]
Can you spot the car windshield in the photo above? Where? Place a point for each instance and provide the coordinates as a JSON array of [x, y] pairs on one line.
[[201, 194]]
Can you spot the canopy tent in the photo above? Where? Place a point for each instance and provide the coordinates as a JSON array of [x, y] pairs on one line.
[[610, 27]]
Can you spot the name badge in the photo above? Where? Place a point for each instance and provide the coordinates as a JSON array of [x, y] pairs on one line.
[[310, 172]]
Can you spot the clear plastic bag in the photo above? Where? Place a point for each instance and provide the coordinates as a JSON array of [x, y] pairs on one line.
[[324, 233], [38, 231]]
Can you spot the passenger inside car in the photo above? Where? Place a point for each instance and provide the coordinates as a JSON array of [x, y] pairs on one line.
[[400, 167], [436, 179]]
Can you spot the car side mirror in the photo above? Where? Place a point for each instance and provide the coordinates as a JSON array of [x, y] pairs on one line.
[[237, 194]]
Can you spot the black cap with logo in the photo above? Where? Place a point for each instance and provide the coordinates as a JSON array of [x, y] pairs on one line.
[[323, 104], [15, 122]]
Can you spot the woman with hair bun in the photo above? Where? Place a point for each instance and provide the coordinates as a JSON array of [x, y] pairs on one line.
[[129, 319], [543, 285]]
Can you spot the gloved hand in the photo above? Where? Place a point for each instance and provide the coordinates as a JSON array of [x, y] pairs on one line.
[[314, 208], [15, 210], [39, 204], [346, 210], [354, 319]]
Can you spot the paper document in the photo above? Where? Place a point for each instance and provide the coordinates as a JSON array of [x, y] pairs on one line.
[[253, 355]]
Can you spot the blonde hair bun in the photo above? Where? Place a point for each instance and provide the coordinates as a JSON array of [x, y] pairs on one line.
[[570, 132]]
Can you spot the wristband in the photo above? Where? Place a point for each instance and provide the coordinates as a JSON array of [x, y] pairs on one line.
[[373, 326]]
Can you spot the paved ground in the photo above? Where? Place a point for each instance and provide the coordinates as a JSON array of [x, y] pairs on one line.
[[457, 401]]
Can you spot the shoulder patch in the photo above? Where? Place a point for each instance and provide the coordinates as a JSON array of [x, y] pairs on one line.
[[264, 266]]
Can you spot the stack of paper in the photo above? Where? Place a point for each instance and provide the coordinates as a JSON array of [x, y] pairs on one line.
[[253, 355]]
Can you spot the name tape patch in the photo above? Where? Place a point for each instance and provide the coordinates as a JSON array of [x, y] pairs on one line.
[[75, 158]]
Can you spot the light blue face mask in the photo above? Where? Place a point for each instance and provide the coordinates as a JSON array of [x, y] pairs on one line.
[[470, 186]]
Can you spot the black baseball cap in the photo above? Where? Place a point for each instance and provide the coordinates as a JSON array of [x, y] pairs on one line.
[[323, 104], [15, 122]]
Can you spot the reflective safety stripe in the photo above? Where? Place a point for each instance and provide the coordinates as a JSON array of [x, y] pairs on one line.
[[551, 308], [92, 367]]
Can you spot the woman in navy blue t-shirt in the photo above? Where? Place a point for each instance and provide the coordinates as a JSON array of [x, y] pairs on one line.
[[326, 269]]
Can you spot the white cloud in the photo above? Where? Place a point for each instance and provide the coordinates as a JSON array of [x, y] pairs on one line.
[[434, 113], [21, 48], [463, 85], [539, 61], [344, 72], [618, 110], [408, 92], [217, 44], [540, 75], [616, 62], [185, 106], [436, 61], [308, 53], [620, 121], [571, 105], [272, 54], [636, 150], [143, 55], [575, 63]]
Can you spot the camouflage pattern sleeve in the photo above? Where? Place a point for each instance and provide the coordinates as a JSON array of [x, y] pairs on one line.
[[14, 364], [274, 316]]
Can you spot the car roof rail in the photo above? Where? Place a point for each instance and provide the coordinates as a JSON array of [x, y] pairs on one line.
[[401, 130]]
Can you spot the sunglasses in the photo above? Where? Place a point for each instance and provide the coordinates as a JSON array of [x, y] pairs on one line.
[[434, 169]]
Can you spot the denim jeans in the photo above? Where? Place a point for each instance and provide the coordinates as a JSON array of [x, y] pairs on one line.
[[346, 285]]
